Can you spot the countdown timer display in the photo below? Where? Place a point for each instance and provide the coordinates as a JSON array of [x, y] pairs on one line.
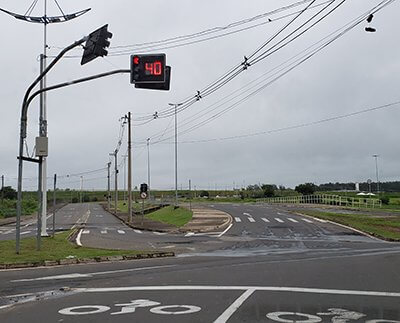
[[149, 68]]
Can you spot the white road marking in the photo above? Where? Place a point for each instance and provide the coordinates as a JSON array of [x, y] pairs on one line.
[[244, 288], [86, 231], [77, 275], [279, 213], [307, 220], [159, 233], [265, 220], [251, 219], [225, 231], [224, 317], [25, 232], [279, 220], [137, 231], [237, 219], [293, 220], [9, 231], [5, 306], [78, 238], [246, 214], [103, 231], [320, 220], [121, 231], [189, 234]]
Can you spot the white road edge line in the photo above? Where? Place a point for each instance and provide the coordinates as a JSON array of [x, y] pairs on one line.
[[5, 306], [78, 238], [224, 317], [77, 275], [225, 231], [244, 288]]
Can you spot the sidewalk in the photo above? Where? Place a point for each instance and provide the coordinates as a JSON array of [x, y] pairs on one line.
[[203, 220]]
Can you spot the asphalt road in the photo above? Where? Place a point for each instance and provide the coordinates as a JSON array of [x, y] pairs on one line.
[[270, 266]]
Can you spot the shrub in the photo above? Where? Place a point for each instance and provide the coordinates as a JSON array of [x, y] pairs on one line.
[[74, 200], [204, 194], [385, 200]]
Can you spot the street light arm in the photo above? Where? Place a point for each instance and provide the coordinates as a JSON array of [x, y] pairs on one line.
[[24, 113], [77, 81]]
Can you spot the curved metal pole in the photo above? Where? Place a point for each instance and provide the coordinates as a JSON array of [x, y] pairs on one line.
[[22, 136]]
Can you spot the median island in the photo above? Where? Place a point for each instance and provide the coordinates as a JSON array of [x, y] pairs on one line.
[[383, 226], [61, 251]]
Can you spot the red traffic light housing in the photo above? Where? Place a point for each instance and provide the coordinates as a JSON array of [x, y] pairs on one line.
[[148, 68]]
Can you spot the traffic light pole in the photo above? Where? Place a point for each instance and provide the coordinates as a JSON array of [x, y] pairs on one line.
[[24, 119], [108, 187], [129, 168]]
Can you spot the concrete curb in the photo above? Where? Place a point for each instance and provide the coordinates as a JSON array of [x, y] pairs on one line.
[[223, 226], [73, 261]]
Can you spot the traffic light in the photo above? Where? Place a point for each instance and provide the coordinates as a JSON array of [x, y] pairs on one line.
[[143, 188], [96, 45], [157, 86], [148, 68]]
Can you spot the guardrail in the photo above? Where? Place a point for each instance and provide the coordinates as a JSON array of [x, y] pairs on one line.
[[328, 199]]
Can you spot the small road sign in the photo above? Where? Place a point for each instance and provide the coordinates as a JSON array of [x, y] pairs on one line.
[[143, 195]]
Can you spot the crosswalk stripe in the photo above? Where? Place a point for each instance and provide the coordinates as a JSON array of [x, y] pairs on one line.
[[85, 231], [279, 220], [293, 220], [307, 220], [246, 214], [265, 220], [237, 219], [252, 220], [137, 231], [121, 231], [320, 220], [26, 232], [103, 231]]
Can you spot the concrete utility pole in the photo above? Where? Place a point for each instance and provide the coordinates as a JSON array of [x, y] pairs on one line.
[[129, 167], [108, 187], [377, 173], [80, 195], [190, 194], [116, 181], [54, 204], [176, 151], [2, 188], [148, 168], [124, 157]]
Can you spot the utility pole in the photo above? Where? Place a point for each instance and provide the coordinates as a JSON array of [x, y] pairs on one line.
[[148, 167], [124, 156], [190, 195], [54, 204], [129, 167], [80, 195], [2, 188], [108, 187], [377, 173], [176, 151], [116, 181]]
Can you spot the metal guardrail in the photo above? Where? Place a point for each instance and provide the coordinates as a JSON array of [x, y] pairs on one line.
[[328, 199]]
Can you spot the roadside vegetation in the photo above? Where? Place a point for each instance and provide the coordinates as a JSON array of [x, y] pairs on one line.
[[175, 216], [53, 249], [386, 227]]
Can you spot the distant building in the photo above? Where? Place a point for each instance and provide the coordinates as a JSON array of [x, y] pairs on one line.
[[357, 187]]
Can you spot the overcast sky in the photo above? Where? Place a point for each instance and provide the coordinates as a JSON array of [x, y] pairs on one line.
[[356, 72]]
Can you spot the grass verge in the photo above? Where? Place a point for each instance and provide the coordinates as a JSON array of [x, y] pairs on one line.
[[53, 249], [177, 217], [384, 227]]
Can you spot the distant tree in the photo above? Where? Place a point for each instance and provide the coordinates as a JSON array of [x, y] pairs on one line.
[[204, 194], [9, 193], [306, 189], [281, 188], [268, 190]]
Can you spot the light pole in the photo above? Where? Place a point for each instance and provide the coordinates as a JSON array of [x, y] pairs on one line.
[[377, 173], [148, 167], [176, 150]]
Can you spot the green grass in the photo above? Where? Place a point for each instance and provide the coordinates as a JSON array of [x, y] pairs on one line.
[[387, 227], [9, 207], [177, 217], [136, 207], [53, 249]]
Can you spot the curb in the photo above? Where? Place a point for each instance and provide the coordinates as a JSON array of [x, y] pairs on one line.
[[367, 234], [51, 263]]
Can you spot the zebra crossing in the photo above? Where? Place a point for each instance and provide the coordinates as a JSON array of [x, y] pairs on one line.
[[104, 231], [282, 219]]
